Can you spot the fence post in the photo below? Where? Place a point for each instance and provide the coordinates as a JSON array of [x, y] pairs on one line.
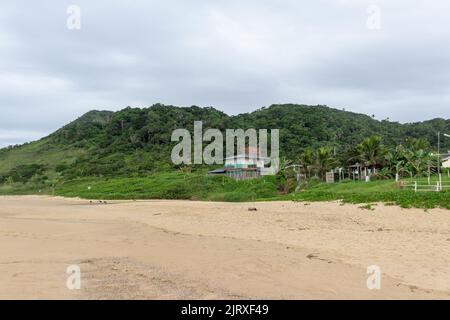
[[415, 186]]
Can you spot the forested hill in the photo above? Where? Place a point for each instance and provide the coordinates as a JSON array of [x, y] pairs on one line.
[[136, 141]]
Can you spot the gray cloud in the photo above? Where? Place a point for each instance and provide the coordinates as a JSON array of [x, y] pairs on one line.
[[234, 55]]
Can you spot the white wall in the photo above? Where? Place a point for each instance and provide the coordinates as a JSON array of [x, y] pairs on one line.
[[446, 164], [245, 162]]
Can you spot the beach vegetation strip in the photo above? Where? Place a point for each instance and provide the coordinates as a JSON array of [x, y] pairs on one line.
[[199, 186]]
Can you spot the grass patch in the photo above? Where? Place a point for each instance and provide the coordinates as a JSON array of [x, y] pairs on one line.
[[200, 186], [367, 207], [385, 191], [171, 185]]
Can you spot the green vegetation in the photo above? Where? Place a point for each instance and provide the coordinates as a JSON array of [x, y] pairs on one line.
[[173, 185], [136, 142], [386, 191], [367, 207], [199, 186], [126, 155]]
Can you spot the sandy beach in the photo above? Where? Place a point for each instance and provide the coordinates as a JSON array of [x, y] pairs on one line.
[[206, 250]]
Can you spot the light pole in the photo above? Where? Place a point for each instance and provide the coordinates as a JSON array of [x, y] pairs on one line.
[[439, 158]]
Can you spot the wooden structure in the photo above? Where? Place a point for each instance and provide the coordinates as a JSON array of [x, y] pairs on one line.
[[243, 166], [361, 172]]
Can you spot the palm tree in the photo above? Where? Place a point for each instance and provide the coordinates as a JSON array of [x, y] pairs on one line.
[[418, 160], [396, 161], [371, 151], [416, 144], [324, 161], [285, 181], [307, 161]]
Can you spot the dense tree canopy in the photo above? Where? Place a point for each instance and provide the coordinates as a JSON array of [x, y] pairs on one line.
[[135, 141]]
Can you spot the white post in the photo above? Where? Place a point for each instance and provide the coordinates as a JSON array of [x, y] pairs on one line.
[[439, 157], [429, 174], [415, 186]]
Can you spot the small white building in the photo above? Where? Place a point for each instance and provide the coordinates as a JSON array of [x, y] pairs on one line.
[[245, 161], [446, 161], [245, 166]]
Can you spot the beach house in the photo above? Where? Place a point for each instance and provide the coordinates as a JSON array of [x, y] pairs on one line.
[[248, 165]]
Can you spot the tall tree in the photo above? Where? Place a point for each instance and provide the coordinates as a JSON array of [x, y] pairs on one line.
[[324, 161], [371, 151], [307, 161]]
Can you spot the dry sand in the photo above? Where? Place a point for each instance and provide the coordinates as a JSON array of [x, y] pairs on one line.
[[205, 250]]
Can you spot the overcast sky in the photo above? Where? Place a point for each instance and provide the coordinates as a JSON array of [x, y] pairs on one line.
[[234, 55]]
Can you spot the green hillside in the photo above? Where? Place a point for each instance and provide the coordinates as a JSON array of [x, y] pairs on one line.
[[135, 142]]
